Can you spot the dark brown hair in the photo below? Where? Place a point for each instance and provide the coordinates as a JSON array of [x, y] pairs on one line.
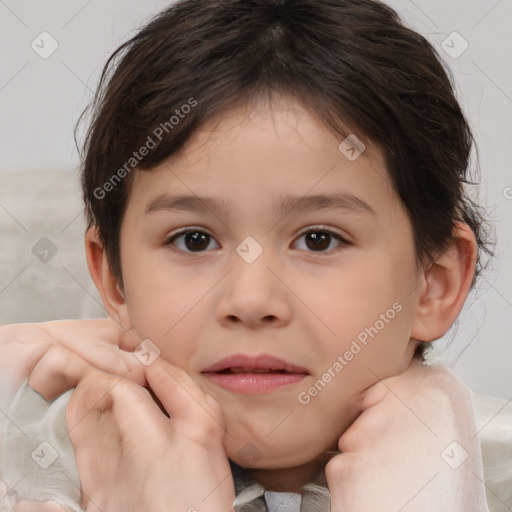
[[351, 62]]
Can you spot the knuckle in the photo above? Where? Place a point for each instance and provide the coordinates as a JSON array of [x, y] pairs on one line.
[[47, 365], [346, 466], [124, 389], [374, 395], [208, 427], [213, 431], [349, 441], [338, 466], [92, 392], [104, 392], [367, 430], [55, 358]]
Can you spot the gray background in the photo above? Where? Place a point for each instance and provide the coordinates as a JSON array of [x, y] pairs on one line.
[[40, 100]]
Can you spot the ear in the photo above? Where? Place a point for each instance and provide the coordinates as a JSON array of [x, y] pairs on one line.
[[107, 285], [445, 286]]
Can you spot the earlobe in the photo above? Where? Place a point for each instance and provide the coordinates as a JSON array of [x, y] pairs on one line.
[[104, 280], [446, 285]]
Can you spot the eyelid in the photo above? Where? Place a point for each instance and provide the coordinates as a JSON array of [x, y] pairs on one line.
[[311, 227], [323, 228], [168, 239], [342, 239], [182, 231]]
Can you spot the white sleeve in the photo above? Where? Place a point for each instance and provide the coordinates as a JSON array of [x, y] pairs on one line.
[[494, 426], [462, 473], [36, 455]]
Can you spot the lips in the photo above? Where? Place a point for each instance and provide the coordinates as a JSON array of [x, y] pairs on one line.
[[261, 364], [254, 375]]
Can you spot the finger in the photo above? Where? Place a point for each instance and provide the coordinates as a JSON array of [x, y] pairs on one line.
[[109, 417], [345, 468], [368, 427], [375, 394], [57, 371], [20, 352], [110, 400], [78, 334], [38, 506], [100, 342], [343, 475], [187, 404]]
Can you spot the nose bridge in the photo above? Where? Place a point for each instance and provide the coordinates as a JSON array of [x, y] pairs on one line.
[[253, 294], [251, 274]]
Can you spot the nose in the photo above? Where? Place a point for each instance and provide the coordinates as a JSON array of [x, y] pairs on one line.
[[254, 296]]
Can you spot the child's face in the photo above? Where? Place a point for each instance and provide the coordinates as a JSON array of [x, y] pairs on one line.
[[306, 299]]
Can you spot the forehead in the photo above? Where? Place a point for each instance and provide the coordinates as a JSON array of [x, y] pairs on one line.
[[269, 151]]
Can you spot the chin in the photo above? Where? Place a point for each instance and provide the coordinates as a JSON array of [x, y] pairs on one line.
[[259, 454]]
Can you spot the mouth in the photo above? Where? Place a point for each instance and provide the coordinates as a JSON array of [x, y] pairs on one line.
[[250, 370], [253, 374]]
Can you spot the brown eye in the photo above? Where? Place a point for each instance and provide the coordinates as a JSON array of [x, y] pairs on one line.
[[321, 241], [316, 240], [191, 241]]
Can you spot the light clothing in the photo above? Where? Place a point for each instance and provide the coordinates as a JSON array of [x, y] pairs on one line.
[[36, 455], [283, 501]]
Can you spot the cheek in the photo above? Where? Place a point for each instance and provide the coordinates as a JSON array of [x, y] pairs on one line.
[[369, 319], [160, 302]]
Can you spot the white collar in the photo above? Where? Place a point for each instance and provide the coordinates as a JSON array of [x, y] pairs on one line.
[[283, 501]]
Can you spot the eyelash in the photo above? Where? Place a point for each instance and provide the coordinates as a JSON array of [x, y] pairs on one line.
[[314, 229]]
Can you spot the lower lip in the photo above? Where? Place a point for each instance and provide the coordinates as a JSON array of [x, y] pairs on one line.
[[253, 383]]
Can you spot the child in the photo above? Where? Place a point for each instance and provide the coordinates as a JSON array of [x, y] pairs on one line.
[[278, 223]]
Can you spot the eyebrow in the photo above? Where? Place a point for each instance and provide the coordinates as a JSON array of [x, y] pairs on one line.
[[342, 201]]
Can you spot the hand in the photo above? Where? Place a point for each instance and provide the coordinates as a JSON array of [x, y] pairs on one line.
[[130, 456], [39, 506], [398, 454], [102, 343]]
